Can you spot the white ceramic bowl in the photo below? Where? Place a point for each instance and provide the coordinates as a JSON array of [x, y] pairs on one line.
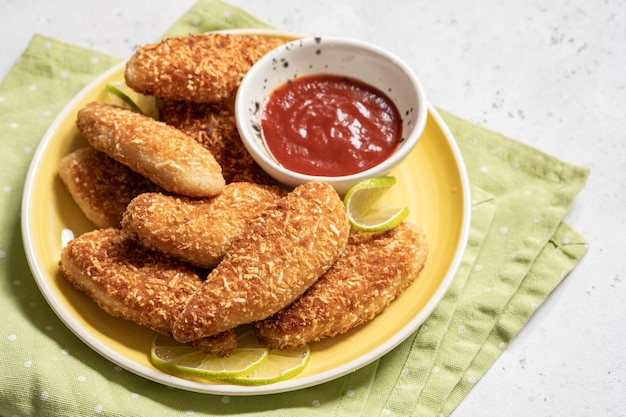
[[333, 56]]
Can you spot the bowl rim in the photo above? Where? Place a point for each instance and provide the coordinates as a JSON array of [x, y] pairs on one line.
[[263, 156]]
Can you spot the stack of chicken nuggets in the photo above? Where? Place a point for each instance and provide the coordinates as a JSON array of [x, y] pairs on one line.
[[193, 239]]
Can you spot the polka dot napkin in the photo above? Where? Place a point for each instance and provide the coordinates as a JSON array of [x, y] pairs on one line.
[[519, 250]]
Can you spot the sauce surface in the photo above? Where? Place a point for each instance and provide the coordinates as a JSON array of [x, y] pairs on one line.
[[330, 125]]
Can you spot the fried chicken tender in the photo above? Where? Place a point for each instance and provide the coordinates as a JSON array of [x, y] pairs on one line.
[[129, 281], [203, 68], [213, 125], [278, 256], [197, 231], [126, 279], [165, 155], [370, 273], [101, 186], [220, 345]]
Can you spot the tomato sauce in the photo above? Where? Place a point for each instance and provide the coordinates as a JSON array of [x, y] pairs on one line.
[[330, 125]]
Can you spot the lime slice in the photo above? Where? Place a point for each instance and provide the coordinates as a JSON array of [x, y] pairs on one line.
[[126, 101], [183, 360], [121, 95], [366, 212], [279, 366]]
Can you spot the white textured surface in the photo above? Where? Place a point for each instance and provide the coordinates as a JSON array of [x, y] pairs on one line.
[[551, 74]]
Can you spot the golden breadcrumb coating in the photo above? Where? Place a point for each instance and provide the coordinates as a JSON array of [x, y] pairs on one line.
[[277, 257], [370, 273], [220, 345], [101, 186], [129, 281], [165, 155], [214, 126], [203, 68], [197, 231]]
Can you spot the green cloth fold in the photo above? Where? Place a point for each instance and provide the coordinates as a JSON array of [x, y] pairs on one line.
[[519, 250]]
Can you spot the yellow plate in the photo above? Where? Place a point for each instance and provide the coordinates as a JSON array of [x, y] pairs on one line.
[[432, 182]]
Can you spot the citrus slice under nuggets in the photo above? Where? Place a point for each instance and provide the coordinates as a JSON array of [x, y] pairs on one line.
[[279, 366], [184, 360]]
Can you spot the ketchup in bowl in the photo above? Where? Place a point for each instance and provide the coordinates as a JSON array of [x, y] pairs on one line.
[[330, 125]]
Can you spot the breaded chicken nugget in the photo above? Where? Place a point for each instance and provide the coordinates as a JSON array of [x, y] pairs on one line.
[[129, 281], [370, 273], [101, 186], [197, 231], [277, 257], [214, 126], [220, 345], [206, 67], [162, 153]]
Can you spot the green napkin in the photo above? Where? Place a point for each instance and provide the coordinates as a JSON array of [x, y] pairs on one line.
[[519, 250]]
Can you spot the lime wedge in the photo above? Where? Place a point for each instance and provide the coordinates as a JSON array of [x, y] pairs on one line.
[[279, 366], [185, 361], [367, 212]]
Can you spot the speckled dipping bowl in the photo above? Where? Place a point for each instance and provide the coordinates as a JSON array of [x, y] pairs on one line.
[[333, 56]]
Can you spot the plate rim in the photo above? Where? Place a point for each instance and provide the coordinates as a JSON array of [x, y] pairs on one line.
[[154, 374]]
